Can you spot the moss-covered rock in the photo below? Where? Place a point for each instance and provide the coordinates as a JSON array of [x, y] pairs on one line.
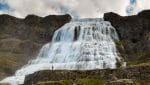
[[84, 81]]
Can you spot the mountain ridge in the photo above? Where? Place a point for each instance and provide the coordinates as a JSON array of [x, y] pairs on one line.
[[21, 39], [134, 36]]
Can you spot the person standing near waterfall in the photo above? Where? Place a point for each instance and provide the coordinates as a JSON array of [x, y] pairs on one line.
[[52, 67]]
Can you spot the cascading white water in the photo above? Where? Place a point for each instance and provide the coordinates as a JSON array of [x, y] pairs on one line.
[[84, 44]]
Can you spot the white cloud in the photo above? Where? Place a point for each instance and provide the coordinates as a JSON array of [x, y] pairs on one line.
[[1, 12], [81, 8]]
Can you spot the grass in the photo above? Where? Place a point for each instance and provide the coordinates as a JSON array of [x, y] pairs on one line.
[[141, 64], [83, 81], [9, 59], [86, 81], [5, 84], [9, 62]]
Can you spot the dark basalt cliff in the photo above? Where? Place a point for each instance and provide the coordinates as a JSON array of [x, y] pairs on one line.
[[134, 33], [21, 39]]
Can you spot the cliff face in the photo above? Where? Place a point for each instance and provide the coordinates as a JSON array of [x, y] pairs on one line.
[[134, 33], [21, 39]]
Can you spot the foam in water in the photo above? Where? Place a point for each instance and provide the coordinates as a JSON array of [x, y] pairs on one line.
[[84, 44]]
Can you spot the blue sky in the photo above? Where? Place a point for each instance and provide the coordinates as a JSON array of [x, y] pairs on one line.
[[4, 6], [132, 1], [77, 8]]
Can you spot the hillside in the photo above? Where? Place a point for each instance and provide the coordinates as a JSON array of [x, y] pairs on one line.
[[21, 39]]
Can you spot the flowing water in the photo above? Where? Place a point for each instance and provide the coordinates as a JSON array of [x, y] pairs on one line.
[[84, 44]]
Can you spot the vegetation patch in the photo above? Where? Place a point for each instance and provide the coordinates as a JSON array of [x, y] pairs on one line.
[[83, 81]]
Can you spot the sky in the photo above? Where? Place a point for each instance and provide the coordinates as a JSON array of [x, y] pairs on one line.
[[76, 8]]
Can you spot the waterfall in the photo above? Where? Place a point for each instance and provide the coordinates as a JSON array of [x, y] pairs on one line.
[[84, 44]]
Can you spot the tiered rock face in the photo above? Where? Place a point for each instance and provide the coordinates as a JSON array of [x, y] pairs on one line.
[[21, 39], [134, 33]]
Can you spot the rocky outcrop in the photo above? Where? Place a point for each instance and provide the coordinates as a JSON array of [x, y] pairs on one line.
[[21, 39], [134, 72], [134, 33]]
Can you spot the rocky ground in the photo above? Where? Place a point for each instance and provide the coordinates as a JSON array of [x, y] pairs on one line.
[[132, 75]]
